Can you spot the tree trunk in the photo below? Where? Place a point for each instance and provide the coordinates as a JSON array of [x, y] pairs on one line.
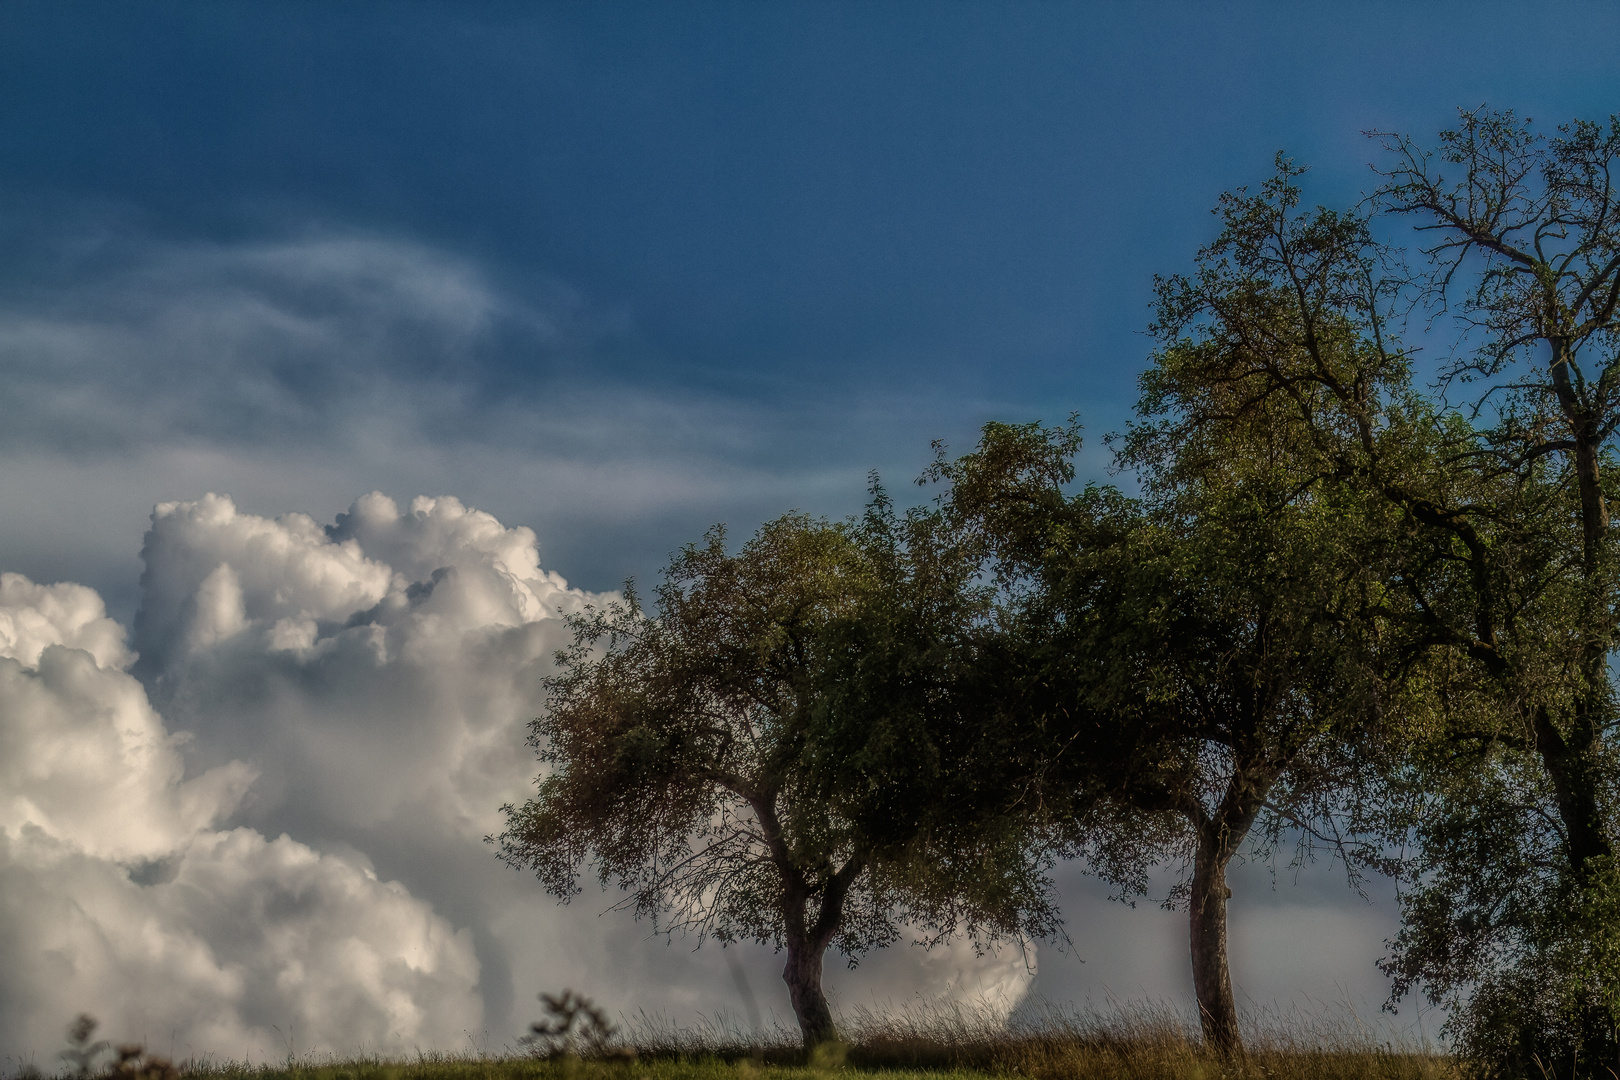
[[1572, 767], [806, 941], [1212, 980], [803, 977], [1573, 764], [1220, 834]]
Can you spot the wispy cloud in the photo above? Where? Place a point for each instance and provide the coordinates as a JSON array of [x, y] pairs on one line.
[[295, 371], [258, 344]]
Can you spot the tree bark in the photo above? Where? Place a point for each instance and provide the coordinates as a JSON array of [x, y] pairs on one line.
[[806, 941], [1219, 835], [1572, 763], [1570, 766], [803, 977], [1212, 979]]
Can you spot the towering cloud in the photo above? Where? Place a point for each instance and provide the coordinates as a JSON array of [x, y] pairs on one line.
[[359, 692], [378, 672], [119, 895]]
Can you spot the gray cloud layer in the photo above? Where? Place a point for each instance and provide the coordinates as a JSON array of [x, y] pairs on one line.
[[295, 372]]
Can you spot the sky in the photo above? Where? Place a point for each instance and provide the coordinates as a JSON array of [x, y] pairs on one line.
[[565, 284]]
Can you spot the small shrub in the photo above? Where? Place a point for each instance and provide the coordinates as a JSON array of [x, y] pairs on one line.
[[81, 1052], [132, 1062], [577, 1028]]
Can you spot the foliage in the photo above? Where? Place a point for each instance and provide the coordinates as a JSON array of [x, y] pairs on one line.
[[1524, 247], [773, 754], [1207, 653], [1198, 668], [129, 1061], [1411, 606], [1341, 607], [1491, 601], [577, 1028]]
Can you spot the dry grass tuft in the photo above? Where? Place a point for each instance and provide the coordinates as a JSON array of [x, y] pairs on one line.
[[1148, 1041]]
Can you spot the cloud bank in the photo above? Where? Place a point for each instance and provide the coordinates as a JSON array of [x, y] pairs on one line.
[[265, 834], [120, 893]]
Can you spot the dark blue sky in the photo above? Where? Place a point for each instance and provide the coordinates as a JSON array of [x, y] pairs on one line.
[[725, 257]]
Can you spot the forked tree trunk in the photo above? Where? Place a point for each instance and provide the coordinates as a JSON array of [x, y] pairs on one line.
[[803, 977], [807, 934]]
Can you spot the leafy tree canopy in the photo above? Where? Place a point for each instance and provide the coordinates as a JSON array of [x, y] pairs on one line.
[[775, 756]]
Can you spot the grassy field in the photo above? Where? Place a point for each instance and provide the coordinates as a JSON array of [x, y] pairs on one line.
[[1125, 1044], [1054, 1062]]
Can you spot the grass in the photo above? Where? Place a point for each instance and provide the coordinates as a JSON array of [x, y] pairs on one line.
[[926, 1043]]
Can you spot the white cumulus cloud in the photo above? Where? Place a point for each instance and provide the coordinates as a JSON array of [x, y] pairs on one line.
[[380, 673], [377, 671], [121, 895]]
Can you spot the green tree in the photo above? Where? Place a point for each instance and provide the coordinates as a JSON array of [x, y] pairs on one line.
[[761, 760], [1497, 613], [1220, 639], [1522, 234], [1198, 675]]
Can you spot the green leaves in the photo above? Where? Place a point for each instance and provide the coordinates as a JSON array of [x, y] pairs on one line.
[[795, 725]]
